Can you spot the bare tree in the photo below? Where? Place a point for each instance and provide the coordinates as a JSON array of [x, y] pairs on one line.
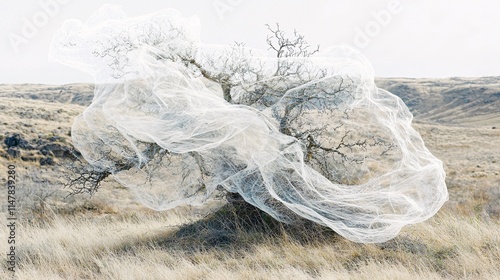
[[302, 133], [329, 149]]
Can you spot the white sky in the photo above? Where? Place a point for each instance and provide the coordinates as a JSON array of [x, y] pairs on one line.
[[426, 38]]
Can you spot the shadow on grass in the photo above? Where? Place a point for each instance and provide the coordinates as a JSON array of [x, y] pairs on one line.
[[240, 226]]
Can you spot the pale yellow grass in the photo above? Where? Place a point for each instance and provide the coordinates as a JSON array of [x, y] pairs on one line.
[[130, 247]]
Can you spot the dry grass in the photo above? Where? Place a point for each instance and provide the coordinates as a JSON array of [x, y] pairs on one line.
[[142, 246], [112, 237]]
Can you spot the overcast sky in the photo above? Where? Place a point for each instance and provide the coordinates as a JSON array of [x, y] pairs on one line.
[[402, 38]]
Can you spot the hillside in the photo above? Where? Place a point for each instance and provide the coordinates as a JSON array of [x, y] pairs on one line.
[[78, 94], [110, 236], [452, 101]]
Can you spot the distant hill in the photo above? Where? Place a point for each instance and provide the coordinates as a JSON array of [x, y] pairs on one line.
[[451, 101], [78, 94], [456, 101]]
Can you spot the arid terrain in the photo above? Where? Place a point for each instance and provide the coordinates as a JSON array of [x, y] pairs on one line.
[[110, 236]]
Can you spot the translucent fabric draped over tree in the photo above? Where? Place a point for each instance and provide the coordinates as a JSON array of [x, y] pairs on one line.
[[303, 134]]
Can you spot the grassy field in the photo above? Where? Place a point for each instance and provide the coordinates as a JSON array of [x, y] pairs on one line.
[[110, 236], [142, 246]]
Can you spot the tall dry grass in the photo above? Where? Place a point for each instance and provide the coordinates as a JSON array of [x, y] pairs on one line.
[[147, 245]]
